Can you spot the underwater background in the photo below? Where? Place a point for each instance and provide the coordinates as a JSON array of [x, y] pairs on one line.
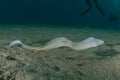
[[36, 24], [61, 12]]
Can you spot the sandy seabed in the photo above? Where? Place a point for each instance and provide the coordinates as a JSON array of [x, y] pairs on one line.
[[100, 63]]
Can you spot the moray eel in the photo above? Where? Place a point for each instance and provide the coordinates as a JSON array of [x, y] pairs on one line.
[[60, 42]]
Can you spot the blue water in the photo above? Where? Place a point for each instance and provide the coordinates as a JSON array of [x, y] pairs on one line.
[[58, 12]]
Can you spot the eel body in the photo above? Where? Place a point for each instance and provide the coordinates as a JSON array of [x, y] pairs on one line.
[[60, 42]]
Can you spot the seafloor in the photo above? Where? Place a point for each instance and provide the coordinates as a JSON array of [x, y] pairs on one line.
[[100, 63]]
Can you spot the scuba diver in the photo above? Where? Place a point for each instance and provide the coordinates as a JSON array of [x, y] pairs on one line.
[[89, 2], [113, 18]]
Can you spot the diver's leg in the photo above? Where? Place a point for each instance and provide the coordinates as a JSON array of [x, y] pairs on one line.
[[87, 10], [97, 6]]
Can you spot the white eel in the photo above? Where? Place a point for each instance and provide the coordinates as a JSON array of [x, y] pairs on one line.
[[60, 42]]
